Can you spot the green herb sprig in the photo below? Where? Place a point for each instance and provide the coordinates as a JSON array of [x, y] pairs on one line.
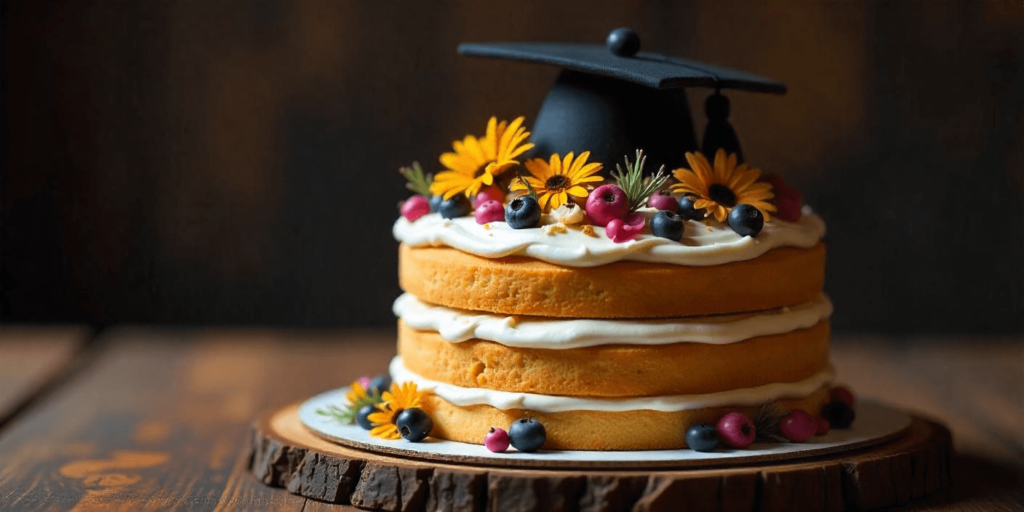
[[347, 415], [632, 181], [529, 188], [766, 423], [417, 181]]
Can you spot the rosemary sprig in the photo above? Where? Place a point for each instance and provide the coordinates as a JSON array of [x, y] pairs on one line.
[[632, 181], [766, 423], [529, 188], [418, 182], [348, 414]]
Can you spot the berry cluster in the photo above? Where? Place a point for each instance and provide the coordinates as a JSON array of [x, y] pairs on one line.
[[737, 430], [526, 435]]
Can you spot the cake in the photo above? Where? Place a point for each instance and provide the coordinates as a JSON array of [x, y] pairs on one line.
[[617, 309]]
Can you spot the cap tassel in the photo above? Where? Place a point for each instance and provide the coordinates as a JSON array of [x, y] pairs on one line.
[[719, 133]]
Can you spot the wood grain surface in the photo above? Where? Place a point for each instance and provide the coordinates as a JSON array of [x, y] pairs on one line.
[[159, 419], [285, 454], [31, 359]]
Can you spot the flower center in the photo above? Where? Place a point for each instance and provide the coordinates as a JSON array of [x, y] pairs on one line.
[[722, 195], [557, 182]]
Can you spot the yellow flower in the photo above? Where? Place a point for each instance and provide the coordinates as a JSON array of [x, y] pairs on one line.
[[476, 162], [399, 398], [560, 178], [724, 187], [356, 392]]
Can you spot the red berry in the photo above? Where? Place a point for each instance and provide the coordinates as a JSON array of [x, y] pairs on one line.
[[775, 181], [842, 394], [496, 440], [823, 426], [606, 203], [490, 193], [736, 430], [788, 203], [621, 231], [489, 211], [415, 207], [798, 426], [663, 200]]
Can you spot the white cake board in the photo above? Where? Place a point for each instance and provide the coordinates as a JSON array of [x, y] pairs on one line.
[[875, 424]]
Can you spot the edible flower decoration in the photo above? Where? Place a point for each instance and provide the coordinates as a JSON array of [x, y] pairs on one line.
[[476, 161], [559, 178], [401, 397], [358, 397], [720, 189]]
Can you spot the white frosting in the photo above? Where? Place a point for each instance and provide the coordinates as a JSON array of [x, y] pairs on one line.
[[533, 332], [702, 245], [504, 400]]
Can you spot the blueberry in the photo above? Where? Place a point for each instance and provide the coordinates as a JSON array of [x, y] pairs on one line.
[[527, 435], [523, 212], [667, 224], [380, 383], [363, 418], [623, 42], [687, 211], [456, 206], [435, 203], [414, 424], [746, 220], [702, 437], [838, 414]]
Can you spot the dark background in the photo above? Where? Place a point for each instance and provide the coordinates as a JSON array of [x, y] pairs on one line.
[[234, 162]]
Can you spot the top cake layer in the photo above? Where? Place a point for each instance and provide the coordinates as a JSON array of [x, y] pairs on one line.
[[703, 245]]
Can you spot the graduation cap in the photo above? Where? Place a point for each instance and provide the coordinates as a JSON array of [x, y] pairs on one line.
[[613, 99]]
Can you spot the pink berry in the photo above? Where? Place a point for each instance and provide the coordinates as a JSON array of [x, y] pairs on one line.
[[496, 440], [489, 211], [663, 200], [775, 181], [842, 394], [364, 381], [788, 202], [490, 193], [736, 430], [606, 203], [621, 231], [798, 426], [415, 207], [822, 426]]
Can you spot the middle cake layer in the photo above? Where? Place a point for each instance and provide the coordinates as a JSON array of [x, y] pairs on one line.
[[618, 370]]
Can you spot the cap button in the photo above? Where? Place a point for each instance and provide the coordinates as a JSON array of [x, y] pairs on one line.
[[623, 42]]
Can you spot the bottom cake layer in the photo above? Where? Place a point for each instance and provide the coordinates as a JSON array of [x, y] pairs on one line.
[[594, 430]]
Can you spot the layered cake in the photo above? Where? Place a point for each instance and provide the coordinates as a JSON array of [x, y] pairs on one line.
[[557, 276]]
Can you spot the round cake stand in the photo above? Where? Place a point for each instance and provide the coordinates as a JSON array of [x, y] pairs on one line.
[[908, 465]]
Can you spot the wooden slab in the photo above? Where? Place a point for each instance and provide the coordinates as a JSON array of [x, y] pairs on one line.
[[284, 454], [31, 358]]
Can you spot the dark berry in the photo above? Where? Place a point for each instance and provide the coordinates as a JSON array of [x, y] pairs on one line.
[[454, 207], [435, 203], [414, 424], [667, 224], [702, 437], [523, 212], [527, 435], [687, 211], [363, 417], [746, 220], [380, 383], [838, 414]]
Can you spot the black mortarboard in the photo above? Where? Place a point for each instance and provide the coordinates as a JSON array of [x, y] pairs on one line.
[[613, 99]]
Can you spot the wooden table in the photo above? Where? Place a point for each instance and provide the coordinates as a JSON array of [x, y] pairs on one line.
[[144, 418]]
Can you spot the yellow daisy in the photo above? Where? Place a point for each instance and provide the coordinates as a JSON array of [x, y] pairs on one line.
[[356, 393], [560, 178], [718, 190], [399, 398], [476, 162]]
